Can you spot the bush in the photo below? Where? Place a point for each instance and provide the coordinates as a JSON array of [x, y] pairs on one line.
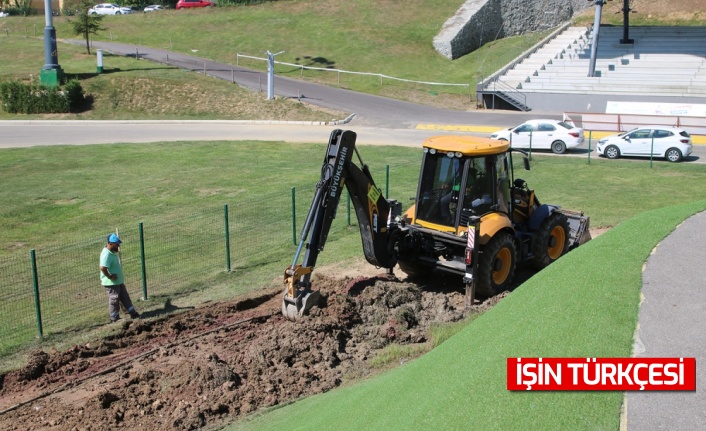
[[20, 98]]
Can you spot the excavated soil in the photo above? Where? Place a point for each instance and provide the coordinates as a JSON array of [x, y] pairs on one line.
[[210, 365]]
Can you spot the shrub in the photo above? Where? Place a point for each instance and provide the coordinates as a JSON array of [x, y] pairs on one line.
[[21, 98]]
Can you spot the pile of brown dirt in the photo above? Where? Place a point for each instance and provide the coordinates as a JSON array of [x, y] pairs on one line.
[[210, 365]]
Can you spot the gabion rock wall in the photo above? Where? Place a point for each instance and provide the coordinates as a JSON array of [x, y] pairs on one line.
[[481, 21]]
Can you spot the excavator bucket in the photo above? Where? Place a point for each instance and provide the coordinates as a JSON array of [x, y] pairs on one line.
[[296, 309], [298, 298]]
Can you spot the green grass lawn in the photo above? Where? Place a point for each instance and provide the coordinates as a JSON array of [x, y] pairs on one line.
[[584, 305], [135, 89], [59, 191], [390, 38]]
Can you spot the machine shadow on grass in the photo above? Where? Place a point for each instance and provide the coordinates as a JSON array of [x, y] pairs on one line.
[[167, 309]]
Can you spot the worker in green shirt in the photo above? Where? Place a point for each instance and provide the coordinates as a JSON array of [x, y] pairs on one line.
[[113, 281]]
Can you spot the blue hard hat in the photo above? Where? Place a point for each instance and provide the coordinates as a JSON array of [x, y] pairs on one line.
[[114, 239]]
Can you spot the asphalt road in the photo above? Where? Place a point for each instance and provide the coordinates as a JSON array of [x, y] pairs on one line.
[[373, 111], [15, 134], [672, 325]]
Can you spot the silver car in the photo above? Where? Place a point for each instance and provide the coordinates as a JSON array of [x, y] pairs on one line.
[[672, 143]]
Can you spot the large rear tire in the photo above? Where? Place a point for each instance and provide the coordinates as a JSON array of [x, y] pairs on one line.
[[551, 241], [496, 266]]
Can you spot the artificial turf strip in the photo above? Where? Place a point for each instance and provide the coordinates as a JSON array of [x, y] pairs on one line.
[[584, 305]]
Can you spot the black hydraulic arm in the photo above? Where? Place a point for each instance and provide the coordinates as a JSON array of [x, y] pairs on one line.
[[372, 209]]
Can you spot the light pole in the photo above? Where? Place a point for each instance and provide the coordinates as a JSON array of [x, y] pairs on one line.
[[594, 44], [51, 74], [271, 74], [626, 23]]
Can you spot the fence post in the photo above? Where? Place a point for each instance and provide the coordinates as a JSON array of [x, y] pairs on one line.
[[225, 222], [530, 148], [387, 181], [37, 304], [589, 146], [652, 150], [294, 216], [142, 261]]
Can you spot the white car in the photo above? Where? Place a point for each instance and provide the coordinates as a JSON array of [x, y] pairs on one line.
[[554, 135], [672, 143], [153, 8], [109, 9]]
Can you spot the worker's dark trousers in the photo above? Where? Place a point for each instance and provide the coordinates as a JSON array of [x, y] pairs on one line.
[[117, 295]]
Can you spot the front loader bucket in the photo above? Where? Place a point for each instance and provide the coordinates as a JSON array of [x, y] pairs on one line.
[[294, 310], [578, 228]]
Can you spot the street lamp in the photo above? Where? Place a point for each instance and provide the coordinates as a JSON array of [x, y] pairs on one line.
[[51, 74]]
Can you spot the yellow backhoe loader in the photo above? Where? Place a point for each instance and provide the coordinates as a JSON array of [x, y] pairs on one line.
[[471, 217]]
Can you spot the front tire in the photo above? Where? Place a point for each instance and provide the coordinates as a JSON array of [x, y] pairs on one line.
[[551, 241], [612, 152], [496, 266], [673, 155], [558, 147]]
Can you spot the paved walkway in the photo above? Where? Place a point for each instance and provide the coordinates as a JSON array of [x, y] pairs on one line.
[[672, 323]]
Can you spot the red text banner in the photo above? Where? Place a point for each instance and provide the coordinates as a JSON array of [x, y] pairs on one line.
[[601, 374]]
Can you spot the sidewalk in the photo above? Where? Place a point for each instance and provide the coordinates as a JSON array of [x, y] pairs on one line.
[[672, 323]]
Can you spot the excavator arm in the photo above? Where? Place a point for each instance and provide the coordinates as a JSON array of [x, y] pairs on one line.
[[373, 211]]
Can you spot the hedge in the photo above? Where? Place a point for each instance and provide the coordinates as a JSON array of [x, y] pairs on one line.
[[21, 98]]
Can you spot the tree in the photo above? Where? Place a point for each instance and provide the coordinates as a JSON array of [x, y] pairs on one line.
[[86, 24]]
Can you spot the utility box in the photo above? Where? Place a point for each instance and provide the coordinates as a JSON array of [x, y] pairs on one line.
[[99, 59]]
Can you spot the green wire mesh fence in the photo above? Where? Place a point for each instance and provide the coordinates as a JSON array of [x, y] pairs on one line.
[[179, 254], [164, 259]]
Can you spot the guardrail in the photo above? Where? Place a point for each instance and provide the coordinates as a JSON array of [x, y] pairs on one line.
[[341, 71]]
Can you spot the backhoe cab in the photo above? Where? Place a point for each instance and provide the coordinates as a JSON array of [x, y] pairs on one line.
[[466, 184]]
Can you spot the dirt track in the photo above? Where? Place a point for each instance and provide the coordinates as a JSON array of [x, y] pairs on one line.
[[208, 366]]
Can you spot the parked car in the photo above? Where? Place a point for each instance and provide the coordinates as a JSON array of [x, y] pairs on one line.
[[672, 143], [109, 9], [154, 8], [554, 135], [184, 4]]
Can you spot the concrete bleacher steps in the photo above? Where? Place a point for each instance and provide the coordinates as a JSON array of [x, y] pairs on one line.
[[669, 61]]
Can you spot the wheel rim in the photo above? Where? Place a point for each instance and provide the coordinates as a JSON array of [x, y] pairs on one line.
[[557, 239], [503, 260], [611, 152], [558, 147], [672, 155]]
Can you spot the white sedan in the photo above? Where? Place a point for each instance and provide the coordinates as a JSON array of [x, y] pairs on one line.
[[671, 143], [554, 135], [109, 9], [153, 8]]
